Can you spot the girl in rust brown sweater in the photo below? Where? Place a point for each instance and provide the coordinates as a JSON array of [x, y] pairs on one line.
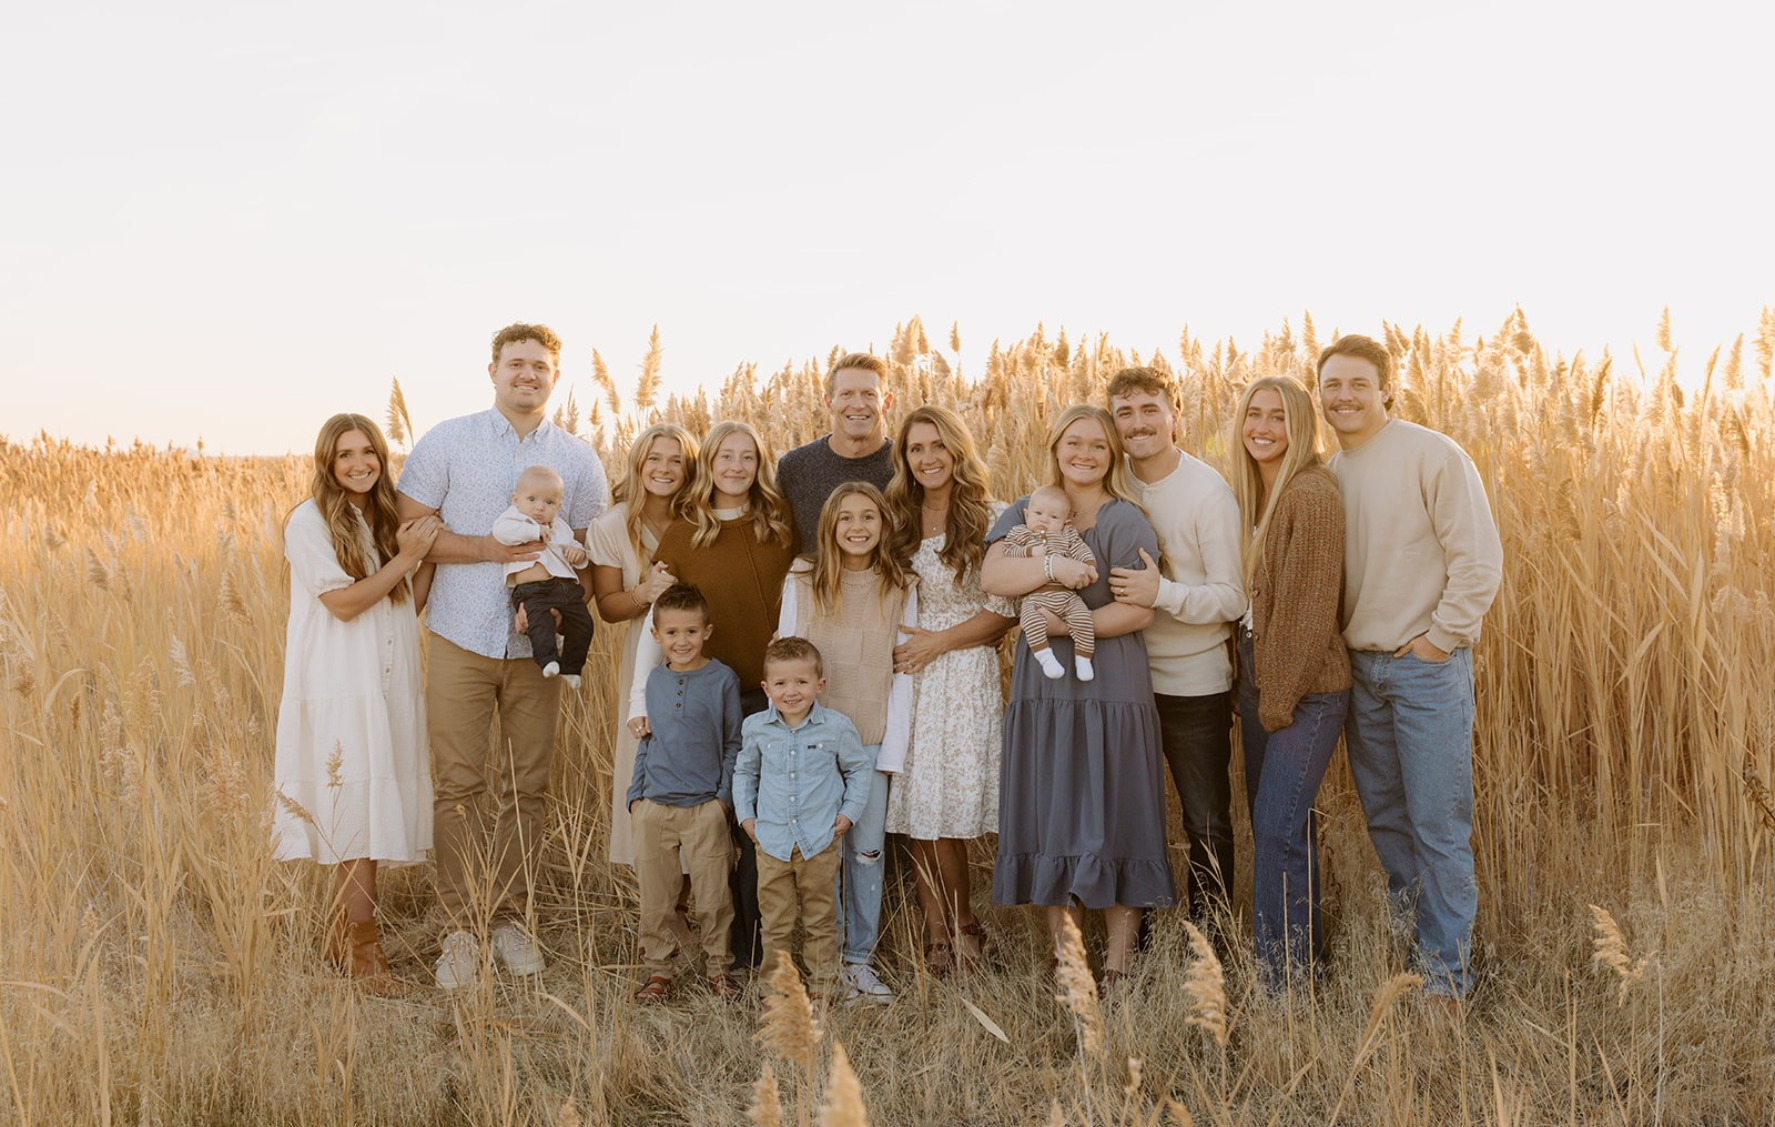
[[735, 543], [1294, 674]]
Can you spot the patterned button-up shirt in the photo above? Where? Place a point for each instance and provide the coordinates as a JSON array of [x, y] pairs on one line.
[[466, 468], [797, 781]]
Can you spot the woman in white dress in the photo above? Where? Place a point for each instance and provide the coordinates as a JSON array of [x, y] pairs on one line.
[[625, 580], [947, 793], [353, 779]]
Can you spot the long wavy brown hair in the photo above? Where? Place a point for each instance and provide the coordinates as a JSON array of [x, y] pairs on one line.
[[631, 490], [769, 508], [826, 560], [970, 508], [341, 515], [1303, 453]]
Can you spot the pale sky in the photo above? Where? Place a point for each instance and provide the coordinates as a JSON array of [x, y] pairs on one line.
[[228, 221]]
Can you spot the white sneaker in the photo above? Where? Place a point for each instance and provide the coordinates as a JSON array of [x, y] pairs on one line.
[[552, 669], [517, 950], [460, 963], [858, 982]]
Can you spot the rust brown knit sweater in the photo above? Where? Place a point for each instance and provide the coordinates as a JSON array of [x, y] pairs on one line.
[[743, 581], [1298, 648]]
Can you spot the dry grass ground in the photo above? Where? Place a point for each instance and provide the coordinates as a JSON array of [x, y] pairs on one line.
[[157, 968]]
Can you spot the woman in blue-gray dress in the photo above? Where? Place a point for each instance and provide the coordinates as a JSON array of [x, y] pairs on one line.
[[1082, 795]]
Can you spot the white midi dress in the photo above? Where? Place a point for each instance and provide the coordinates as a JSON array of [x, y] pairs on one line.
[[949, 785], [351, 746], [607, 540]]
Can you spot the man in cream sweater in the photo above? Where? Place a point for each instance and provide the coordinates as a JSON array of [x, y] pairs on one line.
[[1199, 593], [1422, 563]]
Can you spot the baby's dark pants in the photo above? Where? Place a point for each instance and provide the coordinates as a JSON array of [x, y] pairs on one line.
[[568, 597]]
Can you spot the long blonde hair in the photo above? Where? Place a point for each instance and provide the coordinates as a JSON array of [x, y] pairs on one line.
[[1115, 481], [1302, 424], [341, 516], [826, 560], [970, 513], [633, 491], [769, 509]]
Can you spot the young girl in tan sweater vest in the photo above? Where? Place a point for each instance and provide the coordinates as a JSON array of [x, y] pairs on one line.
[[849, 598]]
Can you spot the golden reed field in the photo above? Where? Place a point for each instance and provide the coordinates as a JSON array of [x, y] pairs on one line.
[[157, 968]]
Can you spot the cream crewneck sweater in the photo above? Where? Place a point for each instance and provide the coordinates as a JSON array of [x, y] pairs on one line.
[[1421, 552], [1202, 590]]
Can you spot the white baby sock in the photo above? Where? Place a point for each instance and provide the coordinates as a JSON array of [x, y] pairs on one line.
[[1083, 665], [1051, 667]]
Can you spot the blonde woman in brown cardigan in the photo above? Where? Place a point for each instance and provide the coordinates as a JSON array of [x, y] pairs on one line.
[[1294, 673]]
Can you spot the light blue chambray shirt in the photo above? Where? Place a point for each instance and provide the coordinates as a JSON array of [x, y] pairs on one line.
[[797, 781], [466, 468]]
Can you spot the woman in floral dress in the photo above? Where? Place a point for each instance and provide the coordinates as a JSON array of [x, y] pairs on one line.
[[948, 792]]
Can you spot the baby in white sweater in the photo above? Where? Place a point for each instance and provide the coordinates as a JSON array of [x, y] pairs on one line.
[[547, 583]]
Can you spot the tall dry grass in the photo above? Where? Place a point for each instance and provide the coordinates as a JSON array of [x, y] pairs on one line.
[[157, 968]]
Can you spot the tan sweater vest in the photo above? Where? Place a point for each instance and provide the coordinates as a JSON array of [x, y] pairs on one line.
[[856, 647]]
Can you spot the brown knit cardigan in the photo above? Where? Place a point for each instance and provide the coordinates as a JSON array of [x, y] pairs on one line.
[[1295, 594]]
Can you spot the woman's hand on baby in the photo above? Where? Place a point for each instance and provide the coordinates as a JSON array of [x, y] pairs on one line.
[[1075, 574], [640, 728]]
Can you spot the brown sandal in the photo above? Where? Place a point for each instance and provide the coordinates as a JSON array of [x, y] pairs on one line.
[[977, 932], [657, 989], [724, 987], [938, 959]]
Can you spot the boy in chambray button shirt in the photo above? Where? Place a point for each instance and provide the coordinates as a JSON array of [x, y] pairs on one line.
[[801, 780]]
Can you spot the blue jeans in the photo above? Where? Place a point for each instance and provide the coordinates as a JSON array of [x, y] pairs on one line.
[[1410, 737], [859, 878], [1283, 770]]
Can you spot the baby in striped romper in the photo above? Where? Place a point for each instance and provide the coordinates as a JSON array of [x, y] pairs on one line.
[[1044, 533]]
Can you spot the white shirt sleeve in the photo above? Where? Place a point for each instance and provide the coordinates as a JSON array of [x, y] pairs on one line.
[[1220, 597], [899, 708], [513, 527], [789, 617], [648, 655], [314, 563]]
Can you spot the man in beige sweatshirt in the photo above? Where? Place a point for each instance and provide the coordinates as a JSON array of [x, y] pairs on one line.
[[1199, 592], [1422, 563]]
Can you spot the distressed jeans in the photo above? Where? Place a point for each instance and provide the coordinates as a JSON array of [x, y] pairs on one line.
[[1283, 770], [860, 876], [1410, 739]]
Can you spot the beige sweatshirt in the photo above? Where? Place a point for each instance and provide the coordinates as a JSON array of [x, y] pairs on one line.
[[1421, 552], [1202, 585]]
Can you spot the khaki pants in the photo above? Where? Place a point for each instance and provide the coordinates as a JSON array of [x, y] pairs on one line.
[[801, 887], [464, 692], [669, 842]]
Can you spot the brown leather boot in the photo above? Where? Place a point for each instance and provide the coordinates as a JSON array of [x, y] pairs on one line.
[[365, 962]]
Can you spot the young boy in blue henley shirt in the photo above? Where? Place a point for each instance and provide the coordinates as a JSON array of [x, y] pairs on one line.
[[681, 792], [801, 781]]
